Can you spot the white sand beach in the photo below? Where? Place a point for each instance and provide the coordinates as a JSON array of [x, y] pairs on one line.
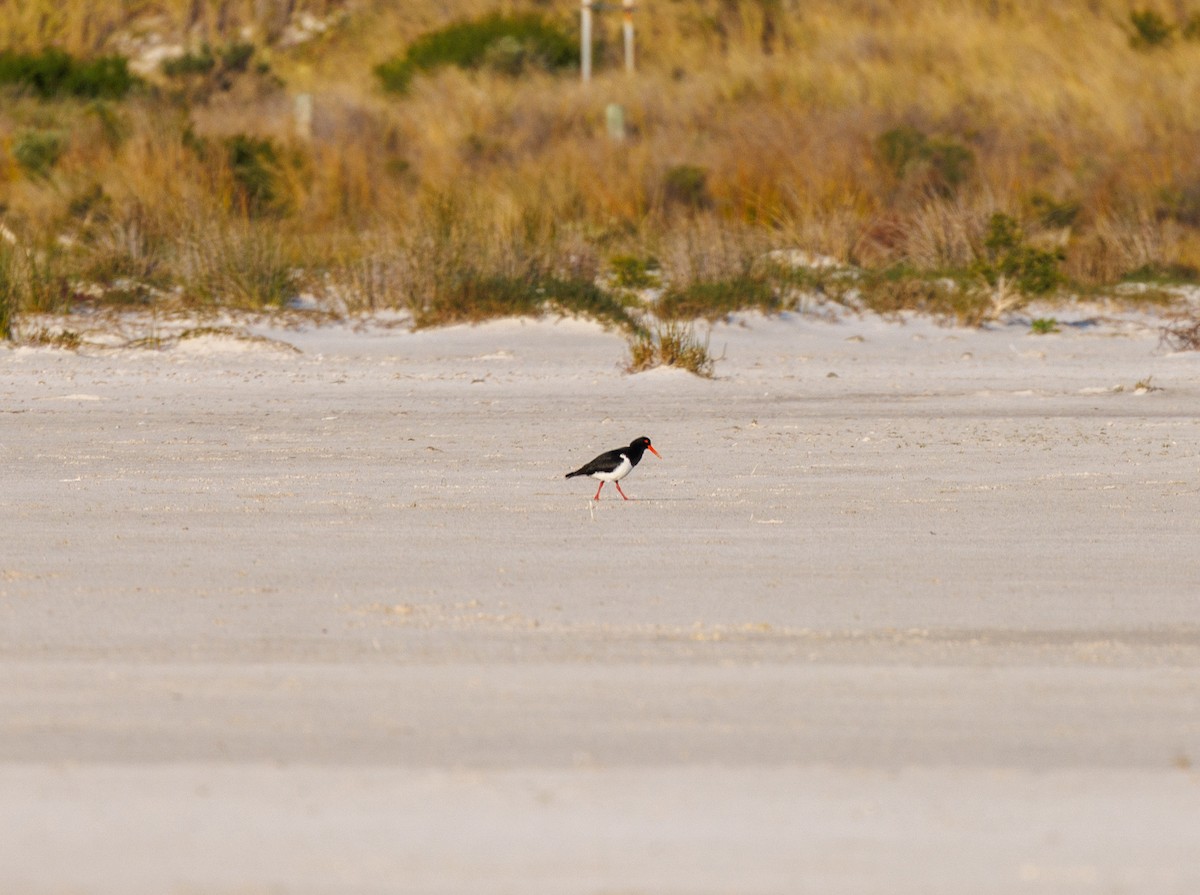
[[903, 608]]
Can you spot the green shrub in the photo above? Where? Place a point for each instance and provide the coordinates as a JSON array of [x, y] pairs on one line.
[[1150, 29], [1180, 203], [1054, 213], [1043, 326], [941, 164], [901, 288], [38, 151], [712, 299], [396, 74], [507, 43], [900, 147], [950, 164], [256, 164], [205, 71], [1031, 271], [580, 296], [632, 272], [687, 186], [233, 57], [1004, 236], [199, 63], [509, 55], [472, 296], [1169, 273], [53, 73]]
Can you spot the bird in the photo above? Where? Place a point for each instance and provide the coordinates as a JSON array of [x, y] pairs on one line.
[[614, 465]]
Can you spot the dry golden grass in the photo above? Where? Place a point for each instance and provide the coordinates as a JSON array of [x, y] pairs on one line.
[[672, 344], [780, 103], [90, 26]]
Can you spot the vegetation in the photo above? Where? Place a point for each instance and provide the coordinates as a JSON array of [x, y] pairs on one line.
[[508, 44], [1007, 256], [900, 288], [230, 59], [1182, 334], [195, 75], [37, 151], [256, 166], [686, 186], [243, 266], [1163, 274], [66, 339], [1150, 29], [53, 73], [9, 291], [718, 297], [939, 164], [485, 182], [672, 344], [632, 272], [473, 297]]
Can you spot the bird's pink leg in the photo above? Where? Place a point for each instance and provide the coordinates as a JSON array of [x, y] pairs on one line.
[[618, 484], [598, 490]]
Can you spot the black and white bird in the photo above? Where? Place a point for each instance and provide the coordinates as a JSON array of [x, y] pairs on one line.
[[612, 466]]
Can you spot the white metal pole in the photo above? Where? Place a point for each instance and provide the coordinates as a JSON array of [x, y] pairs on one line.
[[585, 39], [627, 27]]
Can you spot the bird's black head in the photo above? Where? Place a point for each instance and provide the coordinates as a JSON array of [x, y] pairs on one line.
[[643, 444]]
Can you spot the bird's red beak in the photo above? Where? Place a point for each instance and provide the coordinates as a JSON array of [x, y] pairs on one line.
[[651, 449]]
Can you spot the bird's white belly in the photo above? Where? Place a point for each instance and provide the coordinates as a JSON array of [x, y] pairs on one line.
[[619, 473]]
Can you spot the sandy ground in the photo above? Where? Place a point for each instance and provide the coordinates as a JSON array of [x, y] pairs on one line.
[[902, 609]]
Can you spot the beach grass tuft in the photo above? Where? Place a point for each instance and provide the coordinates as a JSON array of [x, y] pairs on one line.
[[670, 344]]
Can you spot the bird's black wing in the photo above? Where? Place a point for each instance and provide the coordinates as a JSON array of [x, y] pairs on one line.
[[606, 462]]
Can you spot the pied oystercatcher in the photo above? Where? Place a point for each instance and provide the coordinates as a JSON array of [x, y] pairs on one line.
[[612, 466]]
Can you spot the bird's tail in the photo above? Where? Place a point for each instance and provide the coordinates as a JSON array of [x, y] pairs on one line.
[[575, 473]]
